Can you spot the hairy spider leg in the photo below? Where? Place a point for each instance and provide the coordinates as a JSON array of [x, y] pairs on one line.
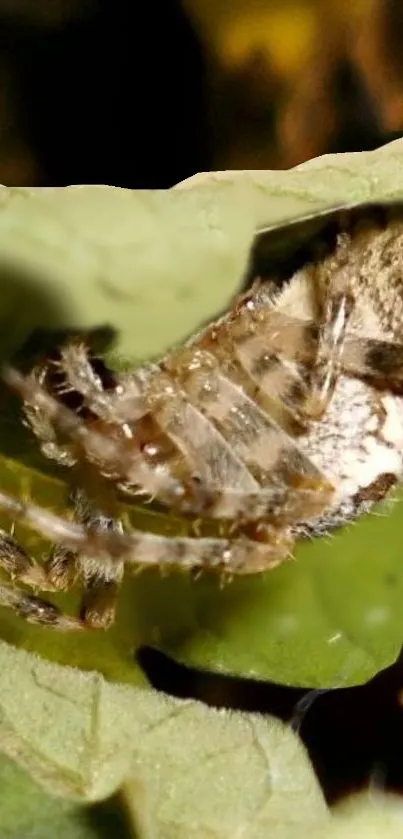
[[137, 550], [122, 403], [63, 568], [299, 486]]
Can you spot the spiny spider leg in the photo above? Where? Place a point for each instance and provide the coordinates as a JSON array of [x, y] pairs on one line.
[[378, 362], [116, 458], [278, 343], [280, 334], [19, 566], [35, 610], [299, 482], [288, 482], [101, 581], [272, 369], [338, 308], [122, 403], [375, 360], [138, 549], [62, 569], [40, 424]]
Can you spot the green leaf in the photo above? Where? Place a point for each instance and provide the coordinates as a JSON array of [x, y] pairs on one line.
[[329, 619], [228, 774], [152, 264], [81, 736], [27, 811]]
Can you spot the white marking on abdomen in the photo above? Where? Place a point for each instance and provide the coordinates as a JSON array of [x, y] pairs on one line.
[[353, 445]]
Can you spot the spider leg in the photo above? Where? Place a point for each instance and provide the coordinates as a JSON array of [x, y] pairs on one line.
[[139, 549], [35, 610], [303, 392], [18, 565], [64, 566], [294, 364], [272, 363], [293, 340], [116, 457], [95, 508], [298, 485], [270, 346], [333, 303], [119, 405], [123, 402], [102, 580], [39, 422], [338, 307], [62, 569], [275, 360], [288, 484], [376, 361]]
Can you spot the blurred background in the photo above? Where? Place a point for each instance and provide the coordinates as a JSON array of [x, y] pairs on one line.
[[145, 94]]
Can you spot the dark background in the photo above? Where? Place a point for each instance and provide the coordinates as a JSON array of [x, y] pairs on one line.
[[143, 95], [107, 92]]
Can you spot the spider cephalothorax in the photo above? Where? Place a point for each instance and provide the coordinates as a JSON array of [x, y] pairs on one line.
[[283, 417]]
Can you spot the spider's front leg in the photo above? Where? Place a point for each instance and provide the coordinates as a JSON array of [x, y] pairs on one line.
[[108, 396], [82, 381]]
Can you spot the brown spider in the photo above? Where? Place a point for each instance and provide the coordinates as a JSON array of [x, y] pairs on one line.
[[282, 418]]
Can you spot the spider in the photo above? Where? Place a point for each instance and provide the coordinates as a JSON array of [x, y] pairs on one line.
[[282, 418]]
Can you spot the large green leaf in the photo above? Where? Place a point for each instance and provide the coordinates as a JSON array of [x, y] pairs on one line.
[[191, 771], [26, 810]]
